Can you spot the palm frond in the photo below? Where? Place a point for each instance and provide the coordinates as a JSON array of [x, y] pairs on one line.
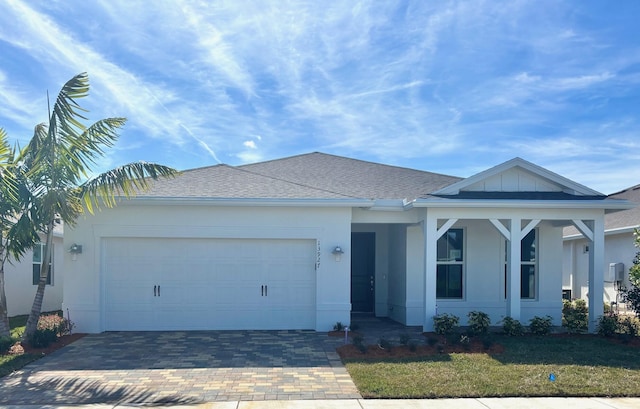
[[125, 181]]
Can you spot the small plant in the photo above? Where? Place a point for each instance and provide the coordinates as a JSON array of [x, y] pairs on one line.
[[431, 341], [512, 327], [540, 325], [358, 342], [404, 339], [5, 344], [575, 315], [338, 326], [479, 323], [445, 324], [385, 344], [629, 327], [412, 346], [608, 324], [55, 322], [42, 338]]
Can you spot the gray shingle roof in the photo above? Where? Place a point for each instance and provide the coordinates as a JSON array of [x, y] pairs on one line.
[[308, 176], [621, 219]]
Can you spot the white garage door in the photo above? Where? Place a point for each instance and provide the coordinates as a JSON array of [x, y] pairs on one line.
[[190, 284]]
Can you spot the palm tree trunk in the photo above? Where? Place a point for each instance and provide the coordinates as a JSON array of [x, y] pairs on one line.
[[36, 308], [5, 330]]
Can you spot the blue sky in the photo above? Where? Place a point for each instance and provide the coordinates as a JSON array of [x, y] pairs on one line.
[[444, 86]]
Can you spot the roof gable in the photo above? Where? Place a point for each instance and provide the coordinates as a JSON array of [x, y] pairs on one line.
[[518, 175]]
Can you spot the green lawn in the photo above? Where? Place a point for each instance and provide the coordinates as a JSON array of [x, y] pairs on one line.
[[583, 366], [10, 363]]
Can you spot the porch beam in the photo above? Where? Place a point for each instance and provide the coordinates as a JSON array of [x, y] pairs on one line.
[[530, 226], [584, 229], [501, 228], [445, 227]]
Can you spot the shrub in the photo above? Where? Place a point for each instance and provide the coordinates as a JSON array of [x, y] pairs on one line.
[[60, 325], [431, 341], [445, 324], [412, 346], [629, 327], [338, 326], [575, 316], [6, 343], [479, 323], [608, 324], [512, 327], [404, 339], [42, 338], [540, 325], [631, 298], [358, 342]]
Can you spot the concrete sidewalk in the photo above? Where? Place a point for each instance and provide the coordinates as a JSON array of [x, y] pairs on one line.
[[479, 403]]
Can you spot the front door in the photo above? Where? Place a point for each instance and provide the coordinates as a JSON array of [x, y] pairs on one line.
[[363, 262]]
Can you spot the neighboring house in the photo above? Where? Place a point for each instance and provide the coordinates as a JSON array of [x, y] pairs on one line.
[[303, 242], [21, 279], [619, 251]]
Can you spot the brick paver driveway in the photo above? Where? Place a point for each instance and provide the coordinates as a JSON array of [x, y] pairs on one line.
[[184, 367]]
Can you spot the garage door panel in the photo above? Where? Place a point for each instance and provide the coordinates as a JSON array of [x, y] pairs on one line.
[[208, 284]]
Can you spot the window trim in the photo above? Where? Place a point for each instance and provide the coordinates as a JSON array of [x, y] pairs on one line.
[[461, 263], [50, 278]]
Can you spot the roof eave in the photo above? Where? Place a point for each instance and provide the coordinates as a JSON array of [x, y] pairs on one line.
[[539, 204], [242, 202]]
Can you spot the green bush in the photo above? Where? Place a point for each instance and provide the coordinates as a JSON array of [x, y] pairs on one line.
[[512, 327], [629, 326], [608, 324], [6, 343], [575, 316], [55, 322], [479, 323], [338, 326], [445, 324], [358, 342], [42, 338], [404, 339], [540, 325]]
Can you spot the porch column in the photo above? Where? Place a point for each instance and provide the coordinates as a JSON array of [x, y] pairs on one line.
[[513, 270], [596, 265], [430, 234]]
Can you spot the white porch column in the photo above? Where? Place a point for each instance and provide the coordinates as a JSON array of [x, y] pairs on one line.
[[595, 234], [430, 234], [513, 269]]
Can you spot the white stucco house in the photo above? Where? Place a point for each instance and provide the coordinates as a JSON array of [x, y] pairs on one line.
[[21, 279], [619, 251], [305, 241]]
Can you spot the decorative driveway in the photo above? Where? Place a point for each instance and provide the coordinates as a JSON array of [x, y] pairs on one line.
[[184, 367]]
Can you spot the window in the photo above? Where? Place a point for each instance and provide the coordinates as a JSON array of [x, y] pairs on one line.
[[527, 266], [38, 254], [450, 264]]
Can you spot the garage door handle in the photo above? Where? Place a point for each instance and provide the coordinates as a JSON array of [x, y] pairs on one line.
[[261, 291], [154, 290], [265, 290], [158, 291]]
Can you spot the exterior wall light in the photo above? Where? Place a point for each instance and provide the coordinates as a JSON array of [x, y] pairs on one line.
[[75, 249], [337, 252]]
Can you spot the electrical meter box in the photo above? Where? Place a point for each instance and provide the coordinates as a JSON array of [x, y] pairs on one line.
[[615, 273]]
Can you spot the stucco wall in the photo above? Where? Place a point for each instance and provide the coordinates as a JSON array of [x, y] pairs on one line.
[[330, 226], [618, 248], [19, 283]]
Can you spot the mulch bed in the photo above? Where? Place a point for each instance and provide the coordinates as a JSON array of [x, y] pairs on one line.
[[475, 346], [20, 348]]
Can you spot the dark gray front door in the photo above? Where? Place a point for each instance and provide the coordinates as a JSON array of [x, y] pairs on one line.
[[363, 262]]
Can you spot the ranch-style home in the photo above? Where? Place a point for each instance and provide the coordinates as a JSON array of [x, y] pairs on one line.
[[305, 241]]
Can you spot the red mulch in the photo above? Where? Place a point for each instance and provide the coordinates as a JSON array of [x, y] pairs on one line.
[[475, 346], [20, 348]]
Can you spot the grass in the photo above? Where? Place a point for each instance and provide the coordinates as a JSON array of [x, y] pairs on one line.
[[11, 363], [582, 365]]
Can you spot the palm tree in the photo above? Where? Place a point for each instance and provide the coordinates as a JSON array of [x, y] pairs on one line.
[[58, 161], [17, 234]]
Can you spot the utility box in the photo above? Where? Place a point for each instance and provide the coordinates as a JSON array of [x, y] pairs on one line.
[[616, 273]]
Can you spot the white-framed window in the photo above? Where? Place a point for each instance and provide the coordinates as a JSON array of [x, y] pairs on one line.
[[450, 265], [528, 266], [38, 254]]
